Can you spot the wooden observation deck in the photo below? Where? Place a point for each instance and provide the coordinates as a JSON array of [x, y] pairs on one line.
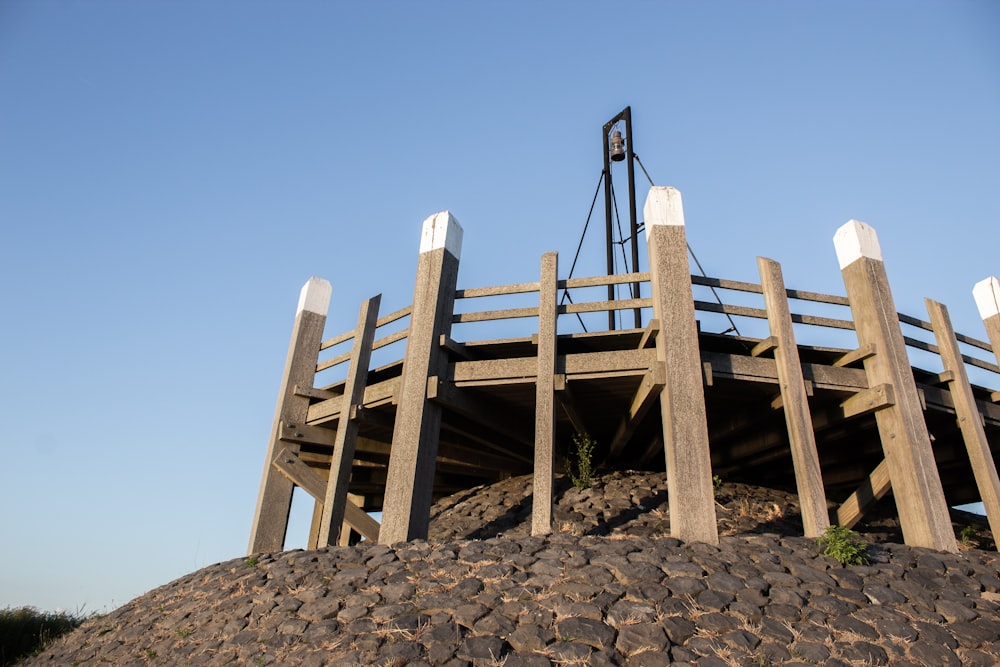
[[823, 399]]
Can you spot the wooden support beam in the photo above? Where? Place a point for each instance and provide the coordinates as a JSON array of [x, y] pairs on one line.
[[410, 481], [522, 370], [545, 416], [794, 399], [916, 483], [310, 392], [645, 397], [380, 393], [685, 429], [335, 500], [361, 521], [768, 344], [868, 400], [856, 355], [871, 491], [649, 334], [274, 501], [299, 473], [455, 348], [305, 434], [970, 421], [457, 400], [346, 532], [564, 395]]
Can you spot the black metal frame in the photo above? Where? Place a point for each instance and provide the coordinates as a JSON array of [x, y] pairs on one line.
[[626, 115]]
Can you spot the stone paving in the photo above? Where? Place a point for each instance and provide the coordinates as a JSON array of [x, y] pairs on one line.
[[608, 589]]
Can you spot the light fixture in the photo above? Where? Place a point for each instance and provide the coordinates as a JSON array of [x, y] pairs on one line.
[[617, 147]]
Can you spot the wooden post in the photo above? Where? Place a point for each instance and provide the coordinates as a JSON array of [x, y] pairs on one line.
[[545, 422], [682, 401], [970, 421], [342, 458], [410, 480], [987, 294], [802, 440], [916, 484], [274, 502]]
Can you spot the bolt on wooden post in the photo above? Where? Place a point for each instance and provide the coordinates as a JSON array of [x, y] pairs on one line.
[[410, 480], [682, 401], [916, 484], [274, 502]]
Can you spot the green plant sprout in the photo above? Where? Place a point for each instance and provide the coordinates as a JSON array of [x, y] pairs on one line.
[[843, 545]]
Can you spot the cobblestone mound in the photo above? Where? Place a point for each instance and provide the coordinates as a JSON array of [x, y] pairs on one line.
[[608, 589]]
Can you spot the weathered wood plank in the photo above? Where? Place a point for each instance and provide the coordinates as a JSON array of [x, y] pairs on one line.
[[970, 421], [868, 400], [685, 430], [379, 393], [794, 398], [498, 290], [335, 501], [871, 491], [545, 418], [645, 397], [916, 483], [453, 398], [410, 480], [856, 355], [649, 334], [525, 368], [765, 346], [564, 395], [274, 501]]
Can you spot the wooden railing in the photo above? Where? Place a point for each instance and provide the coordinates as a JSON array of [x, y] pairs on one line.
[[718, 307]]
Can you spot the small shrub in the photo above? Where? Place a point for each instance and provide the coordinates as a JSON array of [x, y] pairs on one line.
[[581, 469], [843, 545], [967, 536], [253, 561], [716, 483], [26, 631]]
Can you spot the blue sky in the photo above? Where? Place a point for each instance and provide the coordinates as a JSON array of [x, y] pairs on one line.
[[171, 173]]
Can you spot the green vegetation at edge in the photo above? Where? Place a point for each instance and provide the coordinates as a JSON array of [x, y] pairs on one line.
[[26, 631]]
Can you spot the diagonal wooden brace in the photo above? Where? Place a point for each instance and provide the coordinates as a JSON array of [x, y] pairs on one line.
[[645, 397]]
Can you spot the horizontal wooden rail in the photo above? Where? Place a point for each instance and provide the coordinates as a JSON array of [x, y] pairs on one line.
[[490, 315], [382, 321], [726, 284], [828, 322], [600, 306], [499, 290], [627, 304], [380, 343], [603, 281]]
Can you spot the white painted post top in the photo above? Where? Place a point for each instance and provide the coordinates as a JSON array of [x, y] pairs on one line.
[[987, 294], [315, 296], [442, 230], [663, 207], [855, 240]]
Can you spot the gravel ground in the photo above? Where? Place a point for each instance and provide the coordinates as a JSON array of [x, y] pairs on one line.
[[608, 588]]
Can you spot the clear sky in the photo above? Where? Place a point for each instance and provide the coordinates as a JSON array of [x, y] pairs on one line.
[[171, 173]]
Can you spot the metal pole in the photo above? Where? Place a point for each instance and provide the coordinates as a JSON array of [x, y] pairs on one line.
[[626, 115], [607, 216], [633, 225]]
